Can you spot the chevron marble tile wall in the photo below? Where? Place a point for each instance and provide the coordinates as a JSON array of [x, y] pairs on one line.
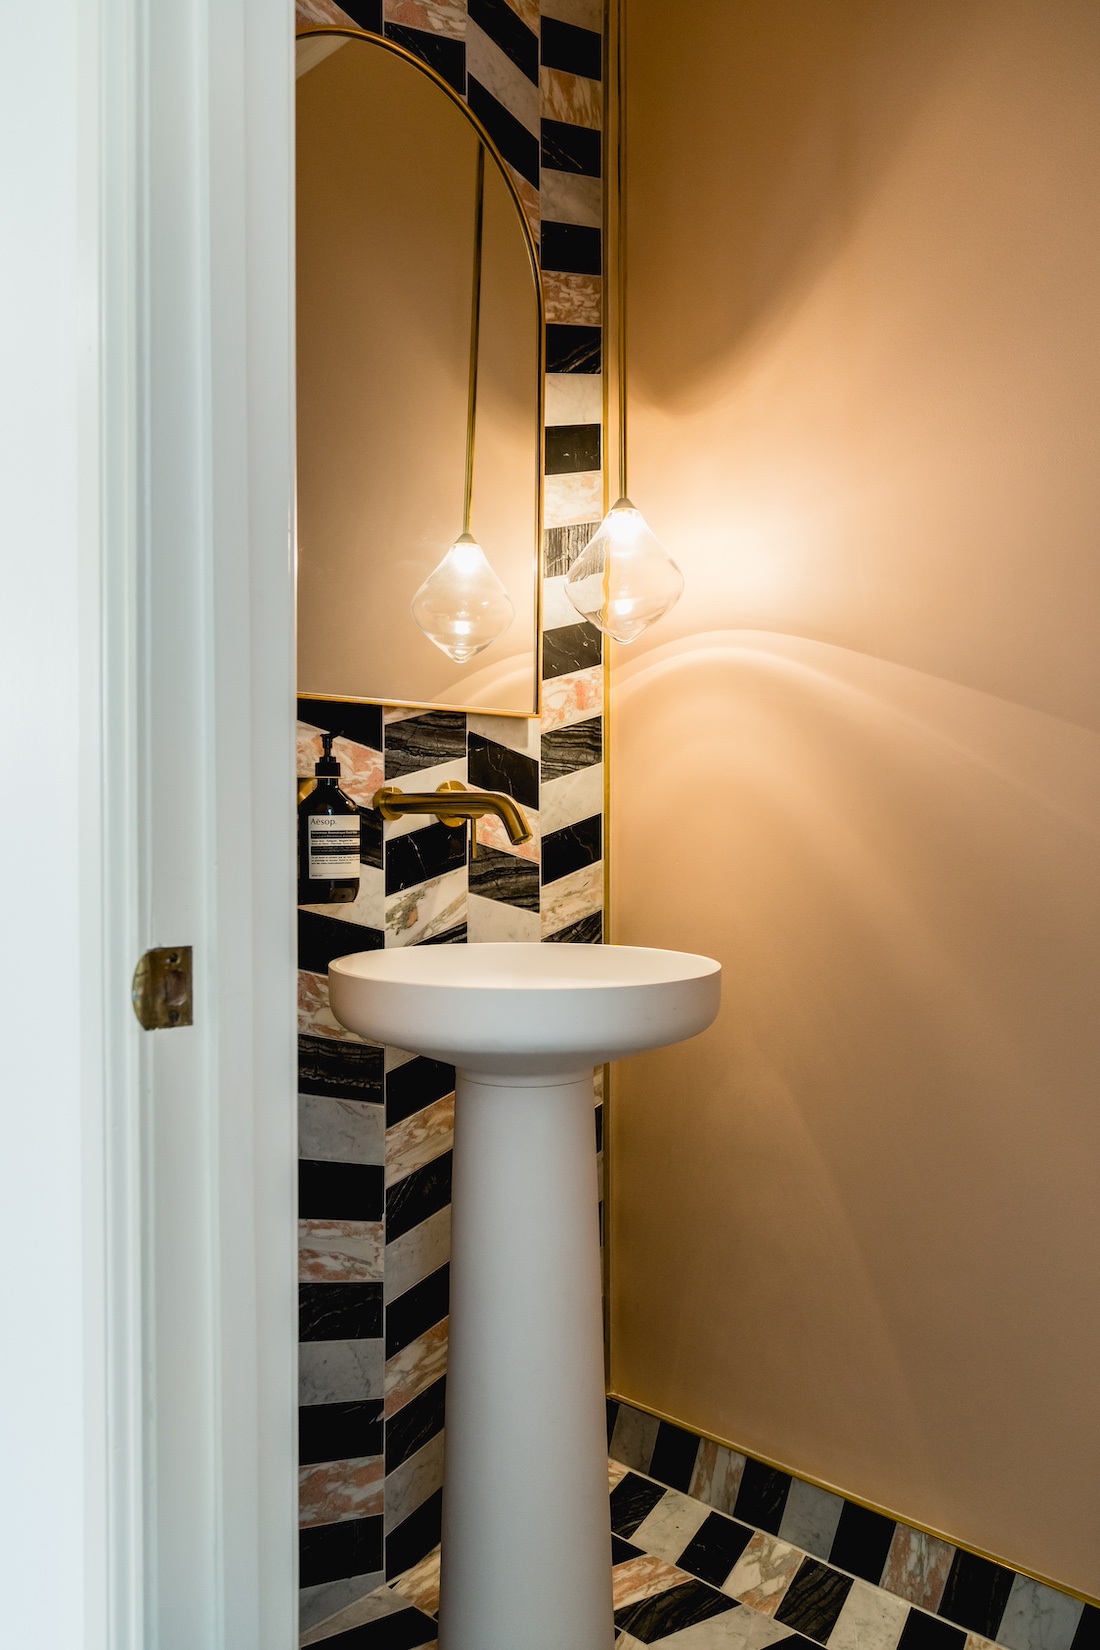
[[375, 1125]]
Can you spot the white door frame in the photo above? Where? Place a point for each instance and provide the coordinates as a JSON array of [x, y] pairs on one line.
[[147, 1402]]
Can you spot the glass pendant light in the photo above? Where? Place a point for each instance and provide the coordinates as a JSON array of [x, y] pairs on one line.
[[624, 578], [462, 606]]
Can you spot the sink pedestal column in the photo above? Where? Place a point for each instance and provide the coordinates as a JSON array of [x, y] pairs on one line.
[[526, 1530]]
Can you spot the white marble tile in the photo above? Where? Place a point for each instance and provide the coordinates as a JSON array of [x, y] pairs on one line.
[[518, 733], [810, 1518], [315, 1016], [419, 1138], [1038, 1618], [431, 908], [420, 1583], [339, 1372], [491, 834], [416, 1254], [570, 898], [575, 497], [763, 1573], [366, 910], [491, 921], [869, 1620], [574, 397], [674, 1521], [585, 14], [410, 1484], [331, 1130], [574, 796], [417, 1366], [571, 98], [340, 1251], [444, 17], [311, 52], [633, 1438], [395, 1057], [644, 1577], [336, 1606], [571, 698], [424, 779], [567, 197], [500, 76], [742, 1629], [557, 609]]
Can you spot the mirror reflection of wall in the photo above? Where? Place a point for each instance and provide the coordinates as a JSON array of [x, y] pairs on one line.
[[387, 168]]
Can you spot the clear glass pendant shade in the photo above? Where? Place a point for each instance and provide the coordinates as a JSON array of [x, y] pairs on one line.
[[624, 578], [463, 606]]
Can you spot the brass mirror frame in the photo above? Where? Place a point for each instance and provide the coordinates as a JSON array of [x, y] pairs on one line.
[[322, 30]]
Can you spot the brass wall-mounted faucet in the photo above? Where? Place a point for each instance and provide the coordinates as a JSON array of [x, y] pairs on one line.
[[453, 804]]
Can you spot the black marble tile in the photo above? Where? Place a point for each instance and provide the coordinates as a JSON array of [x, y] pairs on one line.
[[420, 1194], [425, 1304], [328, 1552], [673, 1459], [362, 724], [505, 878], [814, 1599], [612, 1417], [431, 851], [370, 838], [508, 31], [322, 938], [656, 1618], [424, 741], [571, 848], [598, 1115], [762, 1496], [571, 448], [622, 1552], [415, 1085], [585, 931], [572, 248], [570, 647], [573, 349], [562, 545], [569, 148], [447, 57], [339, 1191], [339, 1311], [519, 147], [415, 1423], [339, 1432], [923, 1632], [366, 13], [347, 1071], [976, 1593], [632, 1501], [577, 51], [564, 750], [715, 1548], [453, 936], [862, 1541], [403, 1630], [494, 767], [1087, 1636], [408, 1543]]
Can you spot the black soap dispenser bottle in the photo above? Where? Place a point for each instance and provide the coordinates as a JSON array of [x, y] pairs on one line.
[[328, 838]]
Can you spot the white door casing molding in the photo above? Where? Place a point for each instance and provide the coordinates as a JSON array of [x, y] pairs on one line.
[[146, 1185]]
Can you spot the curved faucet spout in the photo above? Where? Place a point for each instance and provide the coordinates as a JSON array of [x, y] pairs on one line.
[[453, 804]]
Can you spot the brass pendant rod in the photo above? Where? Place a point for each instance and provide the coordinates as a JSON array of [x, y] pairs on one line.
[[475, 330], [620, 250]]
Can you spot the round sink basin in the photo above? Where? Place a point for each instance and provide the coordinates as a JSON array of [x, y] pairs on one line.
[[526, 1527], [525, 1009]]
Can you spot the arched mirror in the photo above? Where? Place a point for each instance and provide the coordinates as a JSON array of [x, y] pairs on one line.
[[419, 396]]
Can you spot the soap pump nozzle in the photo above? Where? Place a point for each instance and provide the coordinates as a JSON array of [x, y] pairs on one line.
[[327, 765]]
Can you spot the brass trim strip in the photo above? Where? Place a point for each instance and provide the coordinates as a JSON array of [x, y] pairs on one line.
[[475, 338], [351, 33], [859, 1500]]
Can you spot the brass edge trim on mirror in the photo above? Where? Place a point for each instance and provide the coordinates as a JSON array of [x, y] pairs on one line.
[[859, 1500], [349, 32], [608, 1078]]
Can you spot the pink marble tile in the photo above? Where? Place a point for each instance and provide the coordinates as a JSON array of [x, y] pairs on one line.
[[420, 1585], [917, 1567], [416, 1367], [491, 834], [528, 12], [573, 300], [567, 699], [529, 200], [616, 1472], [571, 98], [340, 1489], [418, 1139], [446, 17], [311, 12], [340, 1251], [361, 771], [643, 1577], [717, 1476], [763, 1573], [315, 1016], [570, 500]]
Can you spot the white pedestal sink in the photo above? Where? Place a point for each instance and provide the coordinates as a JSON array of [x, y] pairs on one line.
[[526, 1535]]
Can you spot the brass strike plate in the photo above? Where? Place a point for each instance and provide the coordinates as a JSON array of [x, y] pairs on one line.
[[161, 990]]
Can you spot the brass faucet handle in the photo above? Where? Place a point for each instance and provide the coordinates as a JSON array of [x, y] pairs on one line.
[[452, 819]]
